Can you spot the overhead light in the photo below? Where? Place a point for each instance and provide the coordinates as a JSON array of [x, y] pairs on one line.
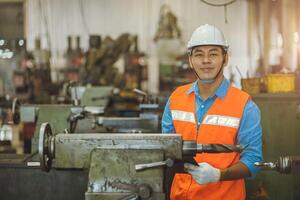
[[21, 43]]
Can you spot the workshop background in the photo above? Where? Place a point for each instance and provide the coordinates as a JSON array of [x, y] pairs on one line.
[[77, 74]]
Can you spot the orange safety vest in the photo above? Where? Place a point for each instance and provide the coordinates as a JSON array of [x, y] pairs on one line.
[[219, 126]]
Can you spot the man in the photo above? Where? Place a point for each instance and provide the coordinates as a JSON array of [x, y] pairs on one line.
[[212, 111]]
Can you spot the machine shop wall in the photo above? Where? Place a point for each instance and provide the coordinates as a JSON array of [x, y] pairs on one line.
[[11, 20], [54, 20]]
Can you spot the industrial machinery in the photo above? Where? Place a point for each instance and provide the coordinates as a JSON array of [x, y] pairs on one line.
[[87, 114], [284, 165], [121, 166], [63, 117]]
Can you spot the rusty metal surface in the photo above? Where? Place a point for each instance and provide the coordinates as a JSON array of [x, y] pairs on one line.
[[113, 171], [73, 150], [109, 196]]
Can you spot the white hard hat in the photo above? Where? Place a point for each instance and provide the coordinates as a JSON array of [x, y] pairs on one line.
[[207, 35]]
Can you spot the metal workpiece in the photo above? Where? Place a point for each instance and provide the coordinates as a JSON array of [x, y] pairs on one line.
[[284, 165], [265, 165], [191, 148], [73, 150], [118, 176]]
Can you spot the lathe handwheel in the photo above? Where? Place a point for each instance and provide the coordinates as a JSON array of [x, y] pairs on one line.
[[45, 147]]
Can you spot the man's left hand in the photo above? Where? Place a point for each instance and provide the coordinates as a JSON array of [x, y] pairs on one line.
[[204, 173]]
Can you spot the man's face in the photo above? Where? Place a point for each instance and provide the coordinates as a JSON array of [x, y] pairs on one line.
[[207, 61]]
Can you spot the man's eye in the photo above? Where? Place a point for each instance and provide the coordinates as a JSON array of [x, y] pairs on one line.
[[198, 55], [213, 54]]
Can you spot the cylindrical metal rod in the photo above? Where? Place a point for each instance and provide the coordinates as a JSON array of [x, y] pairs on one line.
[[191, 148], [284, 165]]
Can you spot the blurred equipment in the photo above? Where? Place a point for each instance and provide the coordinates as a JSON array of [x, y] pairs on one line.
[[99, 68], [42, 83], [251, 85], [169, 48], [12, 52], [135, 67], [271, 83], [9, 131], [277, 83], [168, 27], [74, 61], [284, 165], [90, 113], [88, 104]]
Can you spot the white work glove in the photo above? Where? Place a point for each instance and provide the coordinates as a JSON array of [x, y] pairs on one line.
[[204, 173]]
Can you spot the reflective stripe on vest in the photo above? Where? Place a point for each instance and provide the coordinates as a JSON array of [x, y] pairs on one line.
[[183, 116], [219, 120], [220, 125]]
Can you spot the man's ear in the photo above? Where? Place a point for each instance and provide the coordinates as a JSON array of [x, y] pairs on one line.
[[190, 62], [225, 59]]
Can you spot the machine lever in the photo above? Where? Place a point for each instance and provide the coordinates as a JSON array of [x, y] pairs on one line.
[[139, 192], [140, 92], [168, 162]]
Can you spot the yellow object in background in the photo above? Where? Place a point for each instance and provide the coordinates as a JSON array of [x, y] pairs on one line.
[[280, 83], [251, 85]]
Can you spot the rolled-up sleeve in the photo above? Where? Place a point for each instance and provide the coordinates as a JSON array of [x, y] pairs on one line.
[[250, 136], [166, 122]]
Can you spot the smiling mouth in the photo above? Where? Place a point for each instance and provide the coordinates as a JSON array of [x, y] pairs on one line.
[[206, 69]]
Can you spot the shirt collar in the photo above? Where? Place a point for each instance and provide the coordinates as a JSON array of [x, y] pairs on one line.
[[220, 92]]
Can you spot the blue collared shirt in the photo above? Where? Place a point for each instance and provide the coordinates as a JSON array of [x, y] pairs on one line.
[[249, 133]]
